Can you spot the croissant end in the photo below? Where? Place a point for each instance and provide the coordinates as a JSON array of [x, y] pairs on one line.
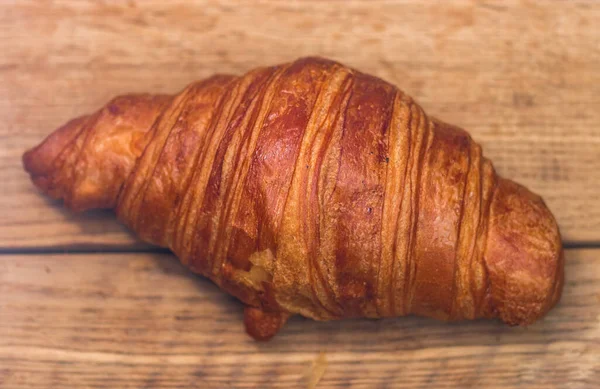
[[524, 255], [86, 161]]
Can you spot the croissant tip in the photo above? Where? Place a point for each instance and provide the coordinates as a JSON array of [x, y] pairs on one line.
[[34, 163], [524, 255]]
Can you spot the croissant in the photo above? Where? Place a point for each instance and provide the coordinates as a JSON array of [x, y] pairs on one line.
[[311, 188]]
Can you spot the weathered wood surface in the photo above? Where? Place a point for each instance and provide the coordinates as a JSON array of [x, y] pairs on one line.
[[143, 321], [522, 77]]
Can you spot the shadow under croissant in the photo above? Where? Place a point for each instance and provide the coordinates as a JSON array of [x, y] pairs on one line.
[[87, 222]]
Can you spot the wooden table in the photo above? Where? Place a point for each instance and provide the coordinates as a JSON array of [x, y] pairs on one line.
[[84, 304]]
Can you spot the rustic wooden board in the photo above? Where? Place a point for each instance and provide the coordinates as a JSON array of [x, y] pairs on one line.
[[143, 321], [523, 77]]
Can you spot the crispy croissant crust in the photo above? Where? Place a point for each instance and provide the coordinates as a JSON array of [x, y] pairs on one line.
[[310, 188]]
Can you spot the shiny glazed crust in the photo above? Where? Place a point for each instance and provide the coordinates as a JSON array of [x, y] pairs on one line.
[[311, 188]]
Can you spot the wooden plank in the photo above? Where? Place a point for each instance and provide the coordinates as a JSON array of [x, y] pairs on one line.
[[143, 321], [522, 77]]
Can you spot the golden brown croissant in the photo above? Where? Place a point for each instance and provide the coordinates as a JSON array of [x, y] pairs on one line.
[[310, 188]]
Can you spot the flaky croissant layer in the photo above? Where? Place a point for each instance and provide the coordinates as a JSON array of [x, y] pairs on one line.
[[310, 188]]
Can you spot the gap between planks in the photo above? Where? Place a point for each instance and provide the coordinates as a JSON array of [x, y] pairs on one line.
[[79, 249]]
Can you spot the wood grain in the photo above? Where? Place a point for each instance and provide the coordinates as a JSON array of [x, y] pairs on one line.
[[143, 321], [522, 77]]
